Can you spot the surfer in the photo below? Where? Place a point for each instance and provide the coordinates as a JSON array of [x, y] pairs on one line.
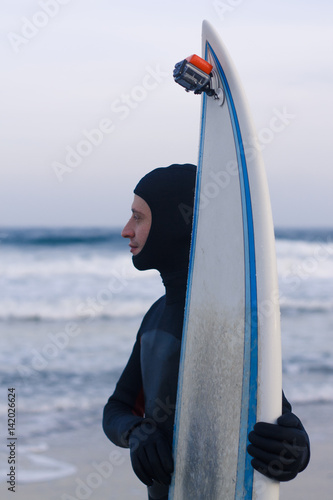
[[140, 413]]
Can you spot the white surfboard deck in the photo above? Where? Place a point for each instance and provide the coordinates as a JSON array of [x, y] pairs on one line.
[[230, 368]]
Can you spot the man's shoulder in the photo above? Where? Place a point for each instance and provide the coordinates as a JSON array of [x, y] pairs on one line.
[[159, 303], [153, 312]]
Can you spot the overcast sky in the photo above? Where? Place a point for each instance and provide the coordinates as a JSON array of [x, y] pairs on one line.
[[88, 102]]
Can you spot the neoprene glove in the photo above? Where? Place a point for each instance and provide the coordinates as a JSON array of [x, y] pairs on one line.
[[151, 454], [280, 450]]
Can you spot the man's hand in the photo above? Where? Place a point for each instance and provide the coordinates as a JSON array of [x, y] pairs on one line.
[[151, 454], [280, 450]]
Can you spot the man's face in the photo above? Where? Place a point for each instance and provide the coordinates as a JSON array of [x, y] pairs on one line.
[[138, 227]]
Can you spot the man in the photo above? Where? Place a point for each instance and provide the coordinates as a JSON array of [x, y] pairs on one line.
[[140, 413]]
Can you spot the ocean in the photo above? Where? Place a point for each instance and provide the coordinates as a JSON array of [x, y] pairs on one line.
[[71, 303]]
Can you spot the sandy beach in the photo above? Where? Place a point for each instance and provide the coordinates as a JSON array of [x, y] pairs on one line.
[[316, 482], [97, 470], [101, 470]]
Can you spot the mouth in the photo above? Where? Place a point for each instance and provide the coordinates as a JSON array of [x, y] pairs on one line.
[[133, 248]]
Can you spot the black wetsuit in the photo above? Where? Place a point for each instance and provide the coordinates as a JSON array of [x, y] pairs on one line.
[[148, 384]]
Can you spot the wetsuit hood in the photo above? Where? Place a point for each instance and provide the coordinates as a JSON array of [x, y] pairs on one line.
[[169, 192]]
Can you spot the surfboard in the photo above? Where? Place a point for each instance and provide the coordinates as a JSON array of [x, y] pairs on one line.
[[230, 367]]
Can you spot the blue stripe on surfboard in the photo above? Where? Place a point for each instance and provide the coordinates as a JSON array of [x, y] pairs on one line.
[[188, 293], [244, 481]]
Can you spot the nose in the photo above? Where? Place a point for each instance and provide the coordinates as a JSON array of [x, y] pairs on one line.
[[128, 231]]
